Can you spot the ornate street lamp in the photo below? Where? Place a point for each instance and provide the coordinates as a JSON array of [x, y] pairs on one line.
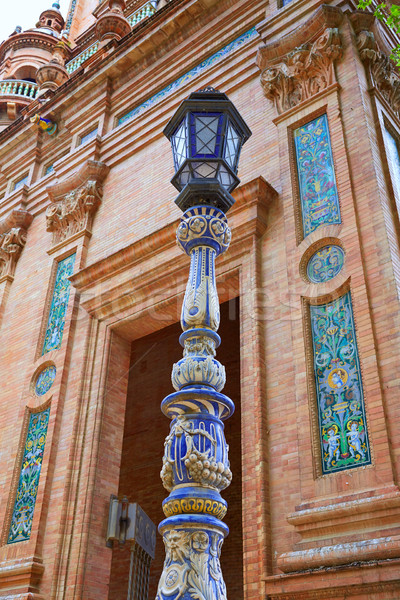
[[206, 135]]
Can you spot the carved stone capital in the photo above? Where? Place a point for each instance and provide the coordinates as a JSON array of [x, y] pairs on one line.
[[302, 72], [75, 201], [382, 73], [13, 233]]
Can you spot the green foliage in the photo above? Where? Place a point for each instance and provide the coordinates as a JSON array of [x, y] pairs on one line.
[[390, 15]]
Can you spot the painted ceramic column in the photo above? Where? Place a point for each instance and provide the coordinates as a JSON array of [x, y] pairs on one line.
[[206, 135], [195, 464]]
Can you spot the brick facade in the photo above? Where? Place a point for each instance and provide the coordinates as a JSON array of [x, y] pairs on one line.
[[295, 534]]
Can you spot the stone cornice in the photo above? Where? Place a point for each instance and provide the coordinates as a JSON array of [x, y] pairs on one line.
[[13, 232], [382, 74], [74, 201], [301, 64], [344, 518], [325, 17]]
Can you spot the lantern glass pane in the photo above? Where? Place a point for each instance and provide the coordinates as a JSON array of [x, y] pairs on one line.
[[206, 134], [225, 178], [184, 176], [205, 170], [231, 146], [178, 141]]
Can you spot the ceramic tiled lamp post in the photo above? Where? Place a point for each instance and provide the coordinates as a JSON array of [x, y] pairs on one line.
[[206, 135]]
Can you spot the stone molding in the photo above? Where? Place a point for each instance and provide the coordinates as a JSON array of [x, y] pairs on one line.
[[339, 554], [21, 576], [354, 514], [329, 588], [302, 64], [75, 201], [13, 233], [382, 74]]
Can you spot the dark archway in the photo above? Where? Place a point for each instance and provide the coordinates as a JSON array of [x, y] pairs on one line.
[[145, 430]]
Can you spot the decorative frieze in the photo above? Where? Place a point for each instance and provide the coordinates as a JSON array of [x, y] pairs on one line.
[[13, 233], [75, 201], [303, 72]]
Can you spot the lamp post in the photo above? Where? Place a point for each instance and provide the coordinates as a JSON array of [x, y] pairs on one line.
[[206, 134]]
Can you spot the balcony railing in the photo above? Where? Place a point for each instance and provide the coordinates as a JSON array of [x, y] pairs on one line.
[[80, 59], [145, 11], [21, 89]]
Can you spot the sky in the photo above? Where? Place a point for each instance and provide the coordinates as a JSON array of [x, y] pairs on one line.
[[25, 13]]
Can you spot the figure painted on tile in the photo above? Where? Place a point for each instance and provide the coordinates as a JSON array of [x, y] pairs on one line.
[[354, 439], [337, 378], [333, 445]]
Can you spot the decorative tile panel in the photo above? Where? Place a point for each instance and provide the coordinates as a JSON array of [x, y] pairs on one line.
[[45, 380], [22, 516], [200, 68], [341, 411], [316, 176], [325, 264], [55, 325]]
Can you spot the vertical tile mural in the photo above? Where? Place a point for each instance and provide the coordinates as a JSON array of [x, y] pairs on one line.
[[59, 303], [22, 516], [316, 176], [341, 412]]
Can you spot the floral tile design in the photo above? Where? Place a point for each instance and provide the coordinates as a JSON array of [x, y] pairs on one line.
[[56, 322], [316, 175], [341, 411], [22, 516]]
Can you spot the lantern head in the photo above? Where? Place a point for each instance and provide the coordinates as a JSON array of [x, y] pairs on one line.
[[206, 135]]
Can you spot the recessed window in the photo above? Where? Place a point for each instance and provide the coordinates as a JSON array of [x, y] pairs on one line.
[[48, 169], [23, 181], [285, 2], [88, 136]]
